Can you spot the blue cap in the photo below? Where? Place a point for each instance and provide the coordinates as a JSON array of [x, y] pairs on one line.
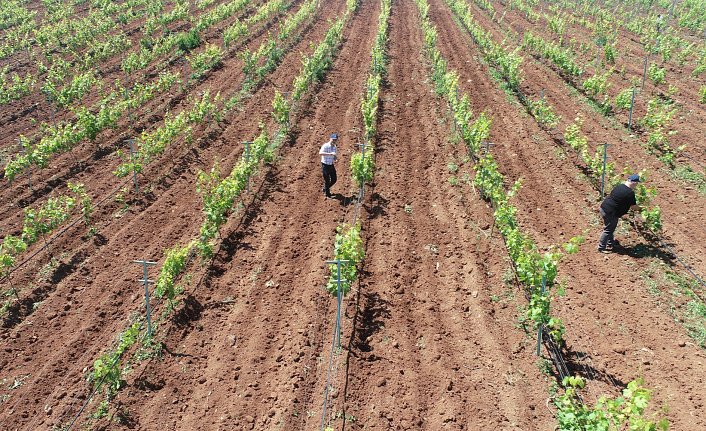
[[635, 178], [334, 136]]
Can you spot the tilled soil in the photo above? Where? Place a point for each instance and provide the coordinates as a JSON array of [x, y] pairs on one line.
[[609, 313], [431, 338], [430, 350]]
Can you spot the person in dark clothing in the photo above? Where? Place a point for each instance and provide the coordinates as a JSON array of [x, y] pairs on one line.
[[328, 153], [617, 204]]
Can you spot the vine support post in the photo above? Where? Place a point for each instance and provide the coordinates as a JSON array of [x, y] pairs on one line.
[[632, 103], [52, 108], [12, 287], [24, 152], [132, 162], [644, 71], [336, 334], [540, 330], [247, 160], [339, 297], [285, 96], [605, 160], [130, 115], [185, 81], [146, 281]]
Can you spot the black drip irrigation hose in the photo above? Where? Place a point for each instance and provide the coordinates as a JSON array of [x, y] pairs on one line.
[[698, 162], [92, 394], [686, 266]]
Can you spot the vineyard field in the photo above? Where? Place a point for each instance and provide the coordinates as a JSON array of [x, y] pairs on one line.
[[186, 134]]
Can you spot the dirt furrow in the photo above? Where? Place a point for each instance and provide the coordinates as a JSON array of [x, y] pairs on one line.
[[252, 350], [607, 303], [87, 309], [429, 351]]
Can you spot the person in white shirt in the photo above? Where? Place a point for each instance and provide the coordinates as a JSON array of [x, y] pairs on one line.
[[328, 158]]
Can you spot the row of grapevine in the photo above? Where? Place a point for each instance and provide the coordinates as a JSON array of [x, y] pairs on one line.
[[64, 136], [62, 29], [72, 36], [151, 144], [219, 196], [535, 270], [174, 45], [348, 244], [363, 164], [660, 109]]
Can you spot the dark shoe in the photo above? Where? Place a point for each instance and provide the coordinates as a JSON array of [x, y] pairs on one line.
[[605, 250], [329, 196]]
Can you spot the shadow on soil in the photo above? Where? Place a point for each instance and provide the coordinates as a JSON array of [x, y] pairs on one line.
[[643, 250], [367, 321], [24, 307], [377, 206], [237, 239], [579, 364], [189, 312]]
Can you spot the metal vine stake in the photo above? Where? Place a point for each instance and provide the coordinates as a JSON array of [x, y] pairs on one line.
[[146, 281]]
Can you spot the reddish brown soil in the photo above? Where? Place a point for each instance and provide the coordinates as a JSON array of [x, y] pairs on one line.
[[430, 332], [554, 204], [20, 116], [630, 64], [675, 199]]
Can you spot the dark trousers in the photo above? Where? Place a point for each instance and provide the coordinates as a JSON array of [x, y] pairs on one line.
[[329, 172], [610, 222]]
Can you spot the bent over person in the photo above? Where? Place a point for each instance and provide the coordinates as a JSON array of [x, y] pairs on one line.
[[328, 158], [618, 203]]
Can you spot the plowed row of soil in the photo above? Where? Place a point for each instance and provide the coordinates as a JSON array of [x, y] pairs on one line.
[[431, 338], [25, 114], [88, 299], [430, 349], [676, 201], [608, 312], [96, 165]]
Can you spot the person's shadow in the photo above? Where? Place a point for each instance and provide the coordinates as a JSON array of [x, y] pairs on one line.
[[643, 250], [343, 199]]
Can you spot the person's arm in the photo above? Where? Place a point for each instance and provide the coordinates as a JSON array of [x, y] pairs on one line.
[[324, 153], [633, 204]]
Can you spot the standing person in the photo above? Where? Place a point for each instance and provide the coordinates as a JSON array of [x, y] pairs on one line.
[[618, 203], [328, 158]]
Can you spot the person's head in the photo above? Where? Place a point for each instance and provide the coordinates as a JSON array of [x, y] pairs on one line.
[[334, 138], [632, 181]]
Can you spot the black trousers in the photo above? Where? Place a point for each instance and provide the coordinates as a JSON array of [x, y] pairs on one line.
[[610, 222], [329, 173]]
